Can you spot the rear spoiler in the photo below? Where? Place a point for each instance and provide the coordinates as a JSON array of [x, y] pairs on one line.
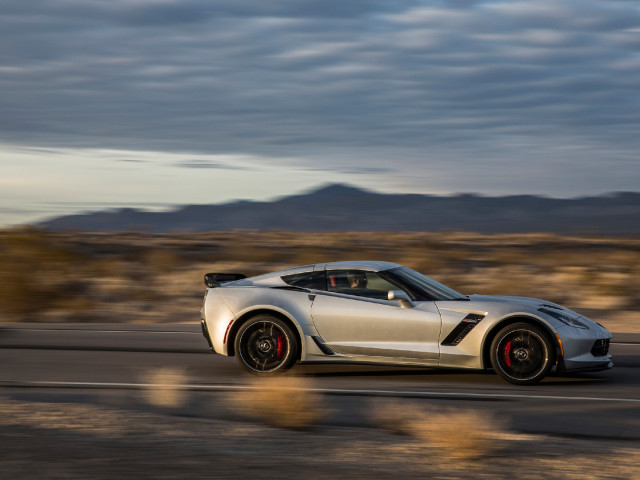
[[213, 280]]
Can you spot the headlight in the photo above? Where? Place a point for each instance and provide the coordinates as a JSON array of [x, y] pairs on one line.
[[564, 318]]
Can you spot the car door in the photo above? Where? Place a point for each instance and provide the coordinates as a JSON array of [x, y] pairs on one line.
[[357, 319]]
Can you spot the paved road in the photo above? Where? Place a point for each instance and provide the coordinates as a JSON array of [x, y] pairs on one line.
[[110, 364]]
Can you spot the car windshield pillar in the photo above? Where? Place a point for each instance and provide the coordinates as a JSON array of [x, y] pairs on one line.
[[423, 287]]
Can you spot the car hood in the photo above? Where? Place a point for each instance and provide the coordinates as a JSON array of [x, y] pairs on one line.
[[498, 306], [503, 299]]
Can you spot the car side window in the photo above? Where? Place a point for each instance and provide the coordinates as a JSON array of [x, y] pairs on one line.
[[312, 280], [360, 283]]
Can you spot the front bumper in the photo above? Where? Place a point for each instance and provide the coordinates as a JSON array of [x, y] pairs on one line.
[[592, 368], [584, 349]]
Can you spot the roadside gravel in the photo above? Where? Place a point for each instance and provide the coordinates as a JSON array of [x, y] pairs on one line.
[[52, 441]]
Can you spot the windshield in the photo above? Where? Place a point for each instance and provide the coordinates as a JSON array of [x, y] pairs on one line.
[[424, 287]]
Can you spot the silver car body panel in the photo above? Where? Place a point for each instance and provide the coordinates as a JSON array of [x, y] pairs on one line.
[[360, 329], [367, 327]]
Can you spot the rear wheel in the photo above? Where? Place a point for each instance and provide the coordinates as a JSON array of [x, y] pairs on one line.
[[266, 345], [522, 354]]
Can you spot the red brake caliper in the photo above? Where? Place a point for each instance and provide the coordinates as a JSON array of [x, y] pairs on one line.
[[280, 349], [505, 354]]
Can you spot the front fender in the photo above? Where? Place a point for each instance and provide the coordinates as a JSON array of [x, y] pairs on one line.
[[502, 322]]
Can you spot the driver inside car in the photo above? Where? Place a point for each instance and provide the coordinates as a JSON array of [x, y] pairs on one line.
[[357, 280]]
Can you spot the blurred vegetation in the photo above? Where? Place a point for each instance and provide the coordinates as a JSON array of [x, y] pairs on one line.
[[126, 277], [285, 402], [456, 434], [37, 273]]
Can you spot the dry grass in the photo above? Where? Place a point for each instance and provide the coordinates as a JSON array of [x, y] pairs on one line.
[[285, 402], [455, 434], [164, 387], [158, 278], [36, 273]]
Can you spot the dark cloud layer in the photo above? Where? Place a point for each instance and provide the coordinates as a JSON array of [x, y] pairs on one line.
[[450, 84]]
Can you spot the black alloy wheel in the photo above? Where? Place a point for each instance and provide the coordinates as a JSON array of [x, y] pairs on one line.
[[522, 354], [266, 345]]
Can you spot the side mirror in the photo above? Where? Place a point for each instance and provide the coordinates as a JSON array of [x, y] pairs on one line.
[[402, 297]]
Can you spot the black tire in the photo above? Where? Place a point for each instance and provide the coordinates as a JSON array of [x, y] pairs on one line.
[[522, 354], [265, 345]]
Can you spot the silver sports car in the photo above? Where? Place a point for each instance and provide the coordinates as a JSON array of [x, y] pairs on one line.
[[384, 313]]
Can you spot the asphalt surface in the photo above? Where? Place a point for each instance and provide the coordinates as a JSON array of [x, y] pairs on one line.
[[111, 364]]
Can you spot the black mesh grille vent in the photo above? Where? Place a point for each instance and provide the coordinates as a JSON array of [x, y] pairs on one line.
[[600, 348], [462, 329]]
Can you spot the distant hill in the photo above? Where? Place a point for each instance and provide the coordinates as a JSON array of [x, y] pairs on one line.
[[346, 208]]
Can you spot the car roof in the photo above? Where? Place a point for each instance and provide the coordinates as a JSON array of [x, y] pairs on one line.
[[273, 278], [369, 265]]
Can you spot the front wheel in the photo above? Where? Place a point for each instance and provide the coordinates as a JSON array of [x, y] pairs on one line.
[[522, 354], [266, 345]]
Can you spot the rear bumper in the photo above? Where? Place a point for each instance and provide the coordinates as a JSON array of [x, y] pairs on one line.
[[205, 332]]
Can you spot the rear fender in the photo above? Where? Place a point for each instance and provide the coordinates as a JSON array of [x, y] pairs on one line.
[[266, 310]]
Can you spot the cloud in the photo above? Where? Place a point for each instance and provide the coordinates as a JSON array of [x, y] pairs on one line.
[[206, 164], [484, 86], [370, 170], [133, 160]]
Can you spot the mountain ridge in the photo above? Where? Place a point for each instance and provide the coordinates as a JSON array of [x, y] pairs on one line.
[[341, 207]]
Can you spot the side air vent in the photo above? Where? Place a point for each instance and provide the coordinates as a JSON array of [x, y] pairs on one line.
[[322, 346], [551, 306], [462, 329]]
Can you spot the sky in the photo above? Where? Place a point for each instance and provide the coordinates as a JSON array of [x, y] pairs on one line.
[[155, 103]]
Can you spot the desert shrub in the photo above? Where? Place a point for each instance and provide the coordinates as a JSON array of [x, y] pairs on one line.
[[164, 387], [286, 402], [454, 433]]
